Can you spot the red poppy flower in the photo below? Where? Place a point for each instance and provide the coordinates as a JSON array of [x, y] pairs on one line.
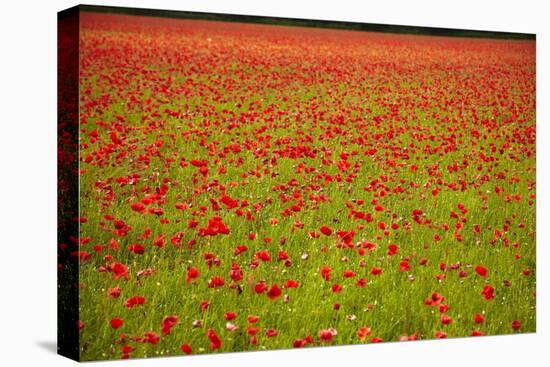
[[488, 292], [291, 284], [114, 292], [215, 341], [236, 273], [443, 308], [230, 315], [392, 250], [116, 323], [260, 287], [138, 207], [404, 265], [440, 334], [445, 319], [215, 226], [215, 282], [327, 335], [434, 300], [126, 349], [186, 348], [326, 230], [283, 255], [168, 323], [176, 239], [325, 273], [252, 319], [363, 332], [274, 292], [376, 271], [192, 273], [482, 271], [349, 273], [159, 241], [119, 270], [151, 337], [136, 248], [134, 301], [240, 249], [263, 255]]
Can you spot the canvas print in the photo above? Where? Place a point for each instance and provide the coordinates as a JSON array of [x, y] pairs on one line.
[[235, 183]]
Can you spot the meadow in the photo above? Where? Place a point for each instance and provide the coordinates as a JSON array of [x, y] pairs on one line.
[[253, 187]]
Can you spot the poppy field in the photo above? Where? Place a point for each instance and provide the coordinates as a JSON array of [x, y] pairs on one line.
[[252, 187]]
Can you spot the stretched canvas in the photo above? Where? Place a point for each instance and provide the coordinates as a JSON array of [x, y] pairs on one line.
[[239, 183]]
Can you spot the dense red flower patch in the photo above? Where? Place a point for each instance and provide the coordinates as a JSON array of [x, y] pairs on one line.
[[249, 187]]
